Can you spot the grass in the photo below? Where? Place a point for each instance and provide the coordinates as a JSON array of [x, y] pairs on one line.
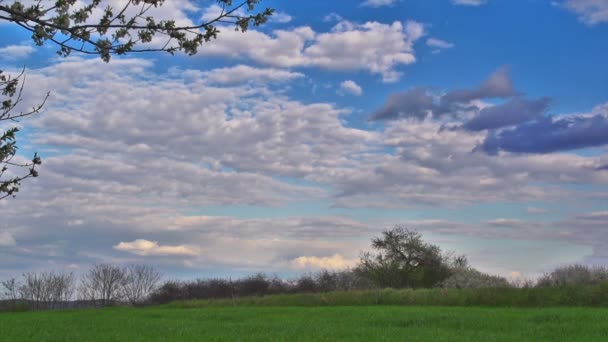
[[363, 323], [572, 296]]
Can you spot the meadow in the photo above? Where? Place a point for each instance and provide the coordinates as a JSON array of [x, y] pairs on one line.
[[329, 323]]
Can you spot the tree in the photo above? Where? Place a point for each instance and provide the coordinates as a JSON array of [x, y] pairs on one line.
[[103, 284], [12, 89], [140, 281], [11, 291], [403, 259], [72, 26], [96, 28]]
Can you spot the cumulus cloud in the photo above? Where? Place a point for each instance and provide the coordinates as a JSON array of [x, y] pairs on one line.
[[374, 47], [144, 247], [591, 12], [334, 262], [12, 52], [351, 88]]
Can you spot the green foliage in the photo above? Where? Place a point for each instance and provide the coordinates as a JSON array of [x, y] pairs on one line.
[[403, 259], [124, 29], [378, 323]]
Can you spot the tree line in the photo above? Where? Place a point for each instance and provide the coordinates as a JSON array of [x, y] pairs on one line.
[[400, 258], [101, 285]]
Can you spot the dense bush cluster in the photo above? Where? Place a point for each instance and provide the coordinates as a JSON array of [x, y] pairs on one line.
[[258, 285], [470, 278], [574, 275]]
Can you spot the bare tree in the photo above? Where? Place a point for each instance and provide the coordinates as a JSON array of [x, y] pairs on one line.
[[139, 282], [103, 284], [32, 290], [11, 291]]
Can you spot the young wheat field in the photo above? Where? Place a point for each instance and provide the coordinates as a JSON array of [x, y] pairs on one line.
[[361, 323]]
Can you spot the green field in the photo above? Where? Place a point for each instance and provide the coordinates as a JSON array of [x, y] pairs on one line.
[[362, 323]]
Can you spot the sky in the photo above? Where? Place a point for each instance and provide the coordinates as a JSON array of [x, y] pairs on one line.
[[481, 124]]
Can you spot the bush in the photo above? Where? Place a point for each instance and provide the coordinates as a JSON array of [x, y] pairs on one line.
[[574, 275], [470, 278]]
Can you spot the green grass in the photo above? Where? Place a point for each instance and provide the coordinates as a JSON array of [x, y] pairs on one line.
[[585, 296], [362, 323]]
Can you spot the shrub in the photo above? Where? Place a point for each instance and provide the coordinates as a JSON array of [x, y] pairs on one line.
[[470, 278], [574, 275]]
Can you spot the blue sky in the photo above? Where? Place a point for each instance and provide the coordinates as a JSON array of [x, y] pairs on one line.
[[482, 124]]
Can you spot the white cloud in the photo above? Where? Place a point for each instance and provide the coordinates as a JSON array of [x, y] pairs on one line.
[[351, 88], [469, 2], [12, 52], [144, 248], [7, 240], [332, 17], [378, 3], [281, 17], [591, 12], [244, 73], [439, 44], [374, 47], [334, 262]]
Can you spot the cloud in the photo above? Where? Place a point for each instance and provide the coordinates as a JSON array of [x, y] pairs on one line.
[[469, 2], [12, 52], [374, 47], [335, 262], [144, 247], [511, 113], [137, 150], [549, 134], [351, 88], [419, 103], [439, 44], [497, 85], [7, 240], [331, 17], [281, 17], [415, 103], [244, 73], [215, 10], [591, 12], [378, 3]]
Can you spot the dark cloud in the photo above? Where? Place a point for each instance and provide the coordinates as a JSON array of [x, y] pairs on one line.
[[511, 113], [414, 103], [498, 85], [548, 135], [418, 103]]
